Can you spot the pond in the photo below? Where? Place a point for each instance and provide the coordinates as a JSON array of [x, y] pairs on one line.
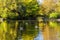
[[29, 30]]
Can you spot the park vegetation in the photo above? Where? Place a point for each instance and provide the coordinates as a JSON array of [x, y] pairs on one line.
[[29, 9]]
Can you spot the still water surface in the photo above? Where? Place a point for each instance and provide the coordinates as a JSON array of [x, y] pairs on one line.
[[29, 30]]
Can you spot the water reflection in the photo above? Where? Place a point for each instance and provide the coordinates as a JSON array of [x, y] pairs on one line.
[[29, 30], [18, 30]]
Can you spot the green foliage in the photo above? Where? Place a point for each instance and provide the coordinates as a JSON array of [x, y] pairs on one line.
[[7, 6], [53, 15], [25, 8], [28, 8], [11, 15], [21, 7]]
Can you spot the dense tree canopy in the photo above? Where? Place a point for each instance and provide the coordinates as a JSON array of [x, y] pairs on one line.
[[18, 8], [13, 9]]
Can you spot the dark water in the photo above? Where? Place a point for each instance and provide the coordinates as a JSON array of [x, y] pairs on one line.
[[29, 30]]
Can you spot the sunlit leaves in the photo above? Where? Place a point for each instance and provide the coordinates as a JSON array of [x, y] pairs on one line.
[[27, 1], [4, 13], [28, 7], [53, 15], [49, 6], [22, 7]]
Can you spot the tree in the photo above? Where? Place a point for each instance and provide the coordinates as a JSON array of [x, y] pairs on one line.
[[18, 8]]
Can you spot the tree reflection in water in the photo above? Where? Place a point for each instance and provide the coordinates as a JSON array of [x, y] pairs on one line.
[[29, 30], [15, 30]]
